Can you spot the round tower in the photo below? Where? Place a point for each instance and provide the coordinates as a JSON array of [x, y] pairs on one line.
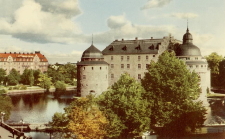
[[191, 54], [92, 73]]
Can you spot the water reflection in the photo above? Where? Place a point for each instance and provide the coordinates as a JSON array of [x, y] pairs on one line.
[[37, 108]]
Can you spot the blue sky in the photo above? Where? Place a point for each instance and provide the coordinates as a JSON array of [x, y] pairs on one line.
[[62, 29]]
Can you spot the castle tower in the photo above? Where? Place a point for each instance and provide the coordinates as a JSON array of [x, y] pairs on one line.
[[191, 54], [92, 73]]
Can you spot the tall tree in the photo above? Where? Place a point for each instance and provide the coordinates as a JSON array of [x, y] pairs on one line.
[[2, 75], [214, 61], [126, 100], [44, 81], [36, 74], [173, 90], [14, 77], [27, 78]]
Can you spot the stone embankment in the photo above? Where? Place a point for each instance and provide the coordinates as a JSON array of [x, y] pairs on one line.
[[39, 90]]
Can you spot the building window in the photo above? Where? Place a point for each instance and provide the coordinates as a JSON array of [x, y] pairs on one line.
[[153, 55], [139, 58], [112, 76], [188, 58], [128, 58], [139, 76], [106, 76], [122, 66], [146, 57], [147, 66], [139, 66], [92, 68], [128, 66], [202, 66], [196, 58], [121, 58], [111, 57], [84, 76], [100, 68], [196, 66], [112, 65]]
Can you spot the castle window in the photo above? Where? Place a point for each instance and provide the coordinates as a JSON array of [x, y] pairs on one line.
[[112, 65], [196, 58], [153, 55], [122, 66], [196, 66], [139, 58], [111, 57], [202, 66], [147, 66], [112, 76], [146, 57], [84, 68], [139, 66], [128, 58], [139, 76], [121, 58], [100, 68], [92, 68], [128, 66], [84, 76], [188, 58]]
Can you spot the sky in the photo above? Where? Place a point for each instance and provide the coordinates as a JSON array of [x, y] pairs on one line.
[[62, 29]]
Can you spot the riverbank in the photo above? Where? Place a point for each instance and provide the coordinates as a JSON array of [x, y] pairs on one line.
[[33, 90]]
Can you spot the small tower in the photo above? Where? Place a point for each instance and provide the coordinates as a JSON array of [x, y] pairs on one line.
[[92, 73]]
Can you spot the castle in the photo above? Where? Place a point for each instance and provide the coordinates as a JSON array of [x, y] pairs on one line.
[[21, 61], [98, 70]]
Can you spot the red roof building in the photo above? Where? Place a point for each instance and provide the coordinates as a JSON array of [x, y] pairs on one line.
[[21, 61]]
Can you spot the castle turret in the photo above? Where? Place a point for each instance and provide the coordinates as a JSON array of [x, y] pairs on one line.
[[92, 73]]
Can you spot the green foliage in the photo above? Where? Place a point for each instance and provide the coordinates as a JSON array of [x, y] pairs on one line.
[[13, 78], [214, 61], [60, 86], [6, 106], [36, 74], [27, 78], [3, 91], [44, 81], [66, 73], [173, 89], [2, 75], [59, 121], [125, 99]]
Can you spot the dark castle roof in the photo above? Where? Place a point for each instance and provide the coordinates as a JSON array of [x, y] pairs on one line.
[[92, 52], [147, 46], [188, 48]]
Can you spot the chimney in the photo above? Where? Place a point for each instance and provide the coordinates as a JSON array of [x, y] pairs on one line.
[[37, 52]]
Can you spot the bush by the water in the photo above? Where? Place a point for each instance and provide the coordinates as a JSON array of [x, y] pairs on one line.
[[2, 91]]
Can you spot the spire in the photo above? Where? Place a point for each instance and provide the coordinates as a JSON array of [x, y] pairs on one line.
[[92, 40], [187, 26]]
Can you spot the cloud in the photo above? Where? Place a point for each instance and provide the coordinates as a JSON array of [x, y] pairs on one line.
[[32, 23], [184, 15], [114, 22], [155, 4]]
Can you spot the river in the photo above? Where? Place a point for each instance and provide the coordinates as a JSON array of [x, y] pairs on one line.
[[38, 108]]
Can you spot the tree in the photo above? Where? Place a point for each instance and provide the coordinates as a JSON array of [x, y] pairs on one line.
[[126, 99], [27, 78], [2, 75], [86, 121], [44, 81], [173, 90], [14, 77], [60, 87], [214, 61], [6, 106], [36, 74]]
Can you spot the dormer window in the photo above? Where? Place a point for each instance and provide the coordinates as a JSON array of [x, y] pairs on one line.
[[151, 47], [111, 48], [138, 47], [124, 48]]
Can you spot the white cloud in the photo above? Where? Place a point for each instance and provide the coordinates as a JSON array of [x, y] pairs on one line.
[[34, 24], [117, 21], [184, 15], [155, 4]]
